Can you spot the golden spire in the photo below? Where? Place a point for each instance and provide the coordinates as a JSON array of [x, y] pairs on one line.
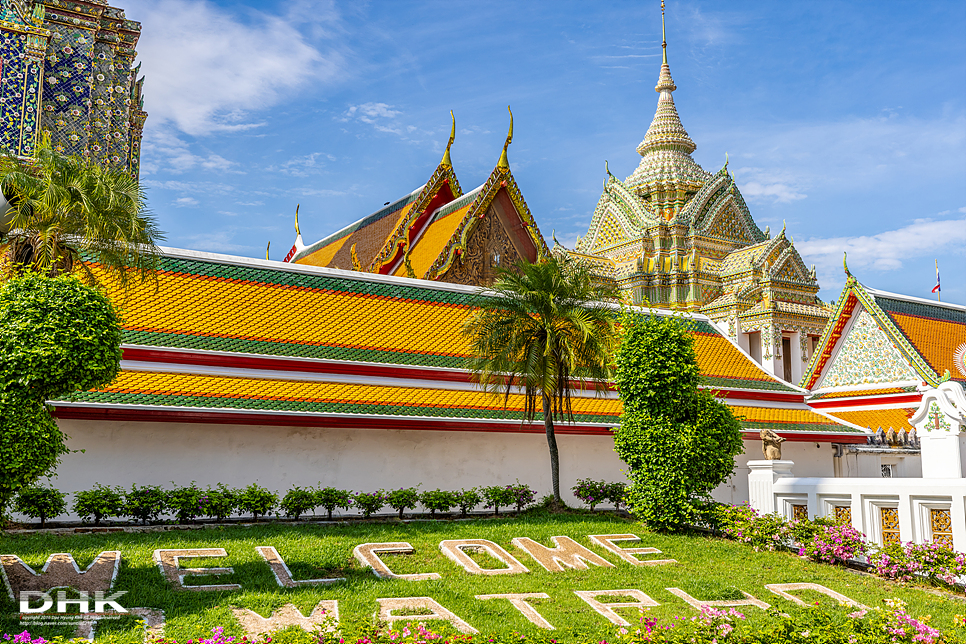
[[504, 162], [663, 34], [297, 231], [266, 250], [452, 137]]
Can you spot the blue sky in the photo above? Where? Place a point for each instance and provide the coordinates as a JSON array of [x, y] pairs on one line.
[[845, 119]]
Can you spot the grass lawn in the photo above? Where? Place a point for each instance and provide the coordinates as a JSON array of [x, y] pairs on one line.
[[708, 569]]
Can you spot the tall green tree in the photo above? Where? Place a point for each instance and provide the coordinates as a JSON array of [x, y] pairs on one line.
[[541, 327], [63, 208], [679, 441]]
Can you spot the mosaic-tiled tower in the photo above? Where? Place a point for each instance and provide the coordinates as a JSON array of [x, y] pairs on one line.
[[71, 63]]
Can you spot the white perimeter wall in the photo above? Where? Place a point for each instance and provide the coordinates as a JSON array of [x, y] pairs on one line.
[[122, 453]]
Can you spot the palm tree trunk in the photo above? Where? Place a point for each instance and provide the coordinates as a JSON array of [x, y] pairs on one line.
[[552, 444]]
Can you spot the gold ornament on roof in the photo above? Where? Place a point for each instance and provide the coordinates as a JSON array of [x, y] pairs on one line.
[[452, 137], [297, 231], [266, 250], [504, 162]]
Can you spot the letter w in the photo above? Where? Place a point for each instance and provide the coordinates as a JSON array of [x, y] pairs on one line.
[[567, 553], [60, 571]]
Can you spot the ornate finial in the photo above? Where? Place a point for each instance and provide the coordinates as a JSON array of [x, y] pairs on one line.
[[663, 34], [726, 159], [784, 225], [356, 265], [607, 168], [553, 235], [452, 137], [297, 231], [768, 232], [845, 264], [266, 250], [504, 162]]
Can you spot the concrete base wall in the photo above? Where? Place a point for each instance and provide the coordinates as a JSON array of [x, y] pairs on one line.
[[122, 453]]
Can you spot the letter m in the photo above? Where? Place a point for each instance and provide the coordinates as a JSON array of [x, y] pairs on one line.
[[60, 571]]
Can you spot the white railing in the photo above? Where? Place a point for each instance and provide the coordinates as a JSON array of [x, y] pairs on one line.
[[908, 509]]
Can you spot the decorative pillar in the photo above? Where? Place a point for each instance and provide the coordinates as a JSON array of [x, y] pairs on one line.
[[940, 421], [761, 483]]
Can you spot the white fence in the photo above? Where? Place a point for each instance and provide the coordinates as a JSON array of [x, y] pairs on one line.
[[886, 510]]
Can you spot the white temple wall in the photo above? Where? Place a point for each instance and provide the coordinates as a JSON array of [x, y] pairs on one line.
[[121, 453]]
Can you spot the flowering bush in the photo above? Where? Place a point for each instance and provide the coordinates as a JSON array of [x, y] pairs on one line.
[[331, 498], [836, 544], [101, 502], [497, 496], [370, 502], [403, 499], [144, 503], [256, 500], [590, 492], [935, 562], [220, 502], [523, 495], [468, 500], [297, 502], [185, 502], [615, 493], [742, 523]]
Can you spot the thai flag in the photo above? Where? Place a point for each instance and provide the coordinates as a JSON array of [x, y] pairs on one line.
[[936, 288]]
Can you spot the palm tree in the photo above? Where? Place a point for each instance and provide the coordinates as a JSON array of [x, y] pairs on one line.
[[63, 210], [540, 328]]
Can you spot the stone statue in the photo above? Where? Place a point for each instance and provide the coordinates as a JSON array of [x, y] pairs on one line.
[[771, 445]]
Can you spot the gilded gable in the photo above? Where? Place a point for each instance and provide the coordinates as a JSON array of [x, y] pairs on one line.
[[867, 355]]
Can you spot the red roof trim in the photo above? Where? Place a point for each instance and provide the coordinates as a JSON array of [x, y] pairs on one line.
[[896, 399]]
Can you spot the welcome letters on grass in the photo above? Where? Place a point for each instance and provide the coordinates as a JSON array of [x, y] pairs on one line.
[[62, 571]]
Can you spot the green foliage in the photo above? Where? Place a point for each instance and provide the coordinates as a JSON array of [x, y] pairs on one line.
[[219, 502], [185, 502], [30, 445], [331, 498], [678, 441], [298, 501], [590, 491], [497, 496], [144, 502], [256, 500], [438, 500], [403, 499], [370, 502], [57, 336], [615, 493], [544, 325], [39, 502], [100, 502], [468, 499], [65, 206]]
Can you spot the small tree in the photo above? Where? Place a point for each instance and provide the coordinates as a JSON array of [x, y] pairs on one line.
[[331, 498], [185, 502], [100, 502], [369, 502], [437, 500], [468, 500], [403, 499], [144, 503], [256, 500], [678, 441], [219, 502], [40, 503], [298, 501], [497, 496]]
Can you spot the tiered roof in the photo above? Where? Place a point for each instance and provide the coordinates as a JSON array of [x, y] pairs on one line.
[[235, 340]]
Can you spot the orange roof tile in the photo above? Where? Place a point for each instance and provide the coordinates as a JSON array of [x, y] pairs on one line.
[[896, 417]]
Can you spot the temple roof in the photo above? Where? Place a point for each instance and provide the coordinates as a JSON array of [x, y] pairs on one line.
[[927, 335], [230, 339]]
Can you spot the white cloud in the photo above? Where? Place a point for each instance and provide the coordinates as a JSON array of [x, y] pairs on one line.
[[165, 151], [216, 242], [370, 112], [208, 69], [884, 251], [767, 185], [301, 166], [185, 202], [250, 203]]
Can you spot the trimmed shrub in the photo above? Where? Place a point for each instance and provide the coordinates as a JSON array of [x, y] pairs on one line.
[[615, 493], [40, 503], [523, 495], [144, 503], [331, 498], [185, 502], [497, 496], [298, 501], [256, 500], [370, 502], [438, 500], [219, 503], [101, 502], [30, 444], [590, 492], [678, 441], [467, 500], [403, 499]]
